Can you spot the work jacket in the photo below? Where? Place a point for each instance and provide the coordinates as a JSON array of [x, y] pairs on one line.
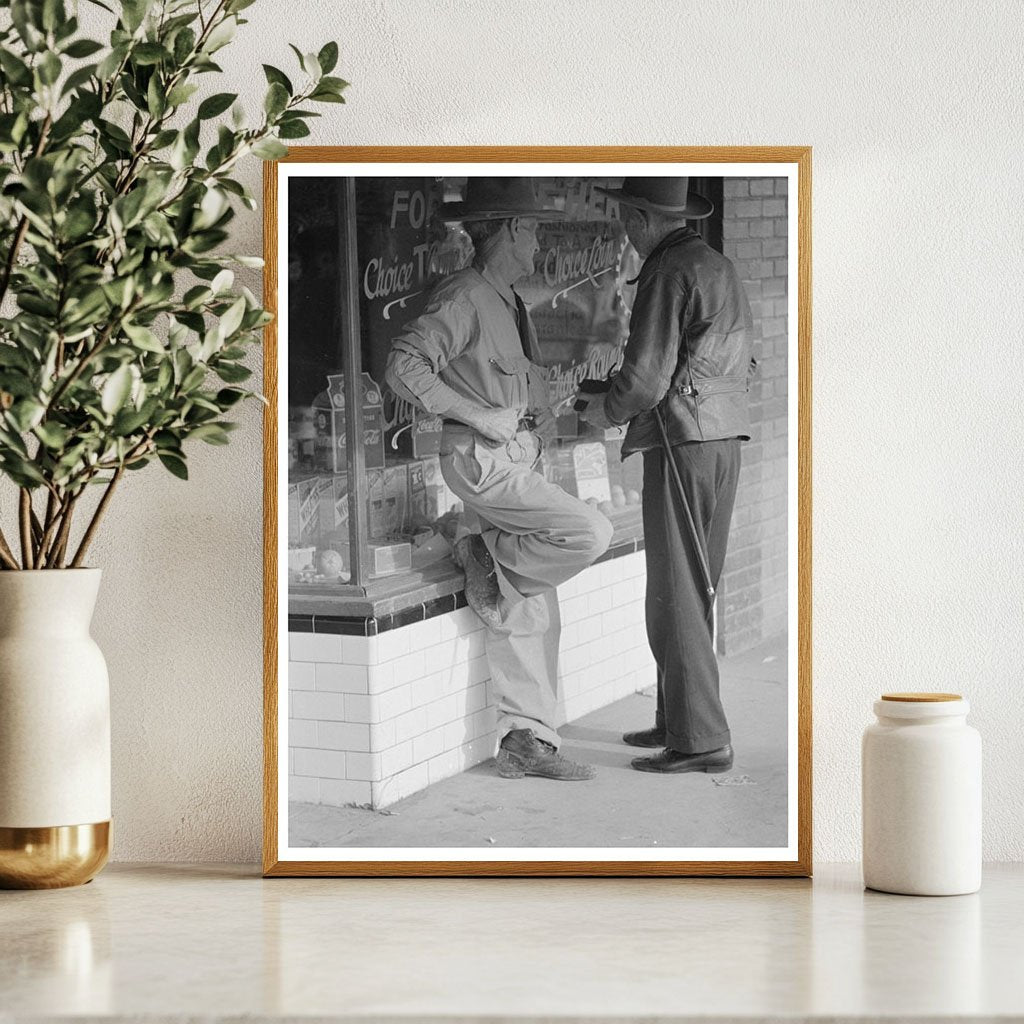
[[688, 351]]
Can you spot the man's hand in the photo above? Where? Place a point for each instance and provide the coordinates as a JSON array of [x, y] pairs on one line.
[[594, 414], [544, 423], [496, 424]]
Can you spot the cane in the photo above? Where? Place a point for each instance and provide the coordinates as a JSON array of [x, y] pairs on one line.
[[698, 547]]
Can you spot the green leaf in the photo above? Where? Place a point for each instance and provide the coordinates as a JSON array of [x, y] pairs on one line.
[[144, 338], [25, 414], [269, 149], [221, 35], [216, 104], [323, 96], [53, 14], [83, 48], [149, 53], [53, 435], [211, 433], [275, 76], [227, 397], [234, 6], [184, 44], [14, 68], [128, 421], [276, 99], [134, 13], [232, 319], [109, 65], [293, 130], [49, 68], [232, 373], [328, 58], [311, 65], [156, 101], [78, 78], [334, 84], [222, 281], [116, 390], [181, 94], [175, 465]]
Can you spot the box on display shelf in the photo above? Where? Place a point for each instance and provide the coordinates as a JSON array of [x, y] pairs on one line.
[[439, 497], [303, 511], [420, 438], [389, 557], [330, 447], [388, 497]]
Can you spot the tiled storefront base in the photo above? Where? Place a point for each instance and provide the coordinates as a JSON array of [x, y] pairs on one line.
[[375, 718]]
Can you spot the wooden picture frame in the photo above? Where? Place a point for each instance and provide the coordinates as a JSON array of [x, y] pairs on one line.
[[374, 605]]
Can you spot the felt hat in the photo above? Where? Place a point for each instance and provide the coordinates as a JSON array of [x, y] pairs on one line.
[[662, 195], [497, 199]]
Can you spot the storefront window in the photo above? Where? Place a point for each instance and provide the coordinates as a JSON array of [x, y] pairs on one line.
[[363, 256]]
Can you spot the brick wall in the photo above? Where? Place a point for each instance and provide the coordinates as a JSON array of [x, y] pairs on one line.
[[753, 591], [374, 719]]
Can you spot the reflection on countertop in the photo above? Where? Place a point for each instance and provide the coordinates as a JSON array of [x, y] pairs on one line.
[[177, 941]]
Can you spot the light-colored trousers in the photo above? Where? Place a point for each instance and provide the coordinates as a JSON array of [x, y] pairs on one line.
[[539, 536]]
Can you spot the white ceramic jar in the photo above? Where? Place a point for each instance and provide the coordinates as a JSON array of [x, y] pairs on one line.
[[921, 777]]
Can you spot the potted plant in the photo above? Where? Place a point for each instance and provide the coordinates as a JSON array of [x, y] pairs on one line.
[[122, 340]]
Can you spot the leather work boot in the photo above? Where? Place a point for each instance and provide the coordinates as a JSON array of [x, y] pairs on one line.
[[653, 737], [521, 753], [473, 558]]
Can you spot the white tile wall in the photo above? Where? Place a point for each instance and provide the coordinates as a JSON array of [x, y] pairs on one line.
[[374, 719]]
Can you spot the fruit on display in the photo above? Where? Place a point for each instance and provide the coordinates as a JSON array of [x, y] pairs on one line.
[[329, 563]]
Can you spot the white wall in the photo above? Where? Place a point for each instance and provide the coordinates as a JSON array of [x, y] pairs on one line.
[[914, 113]]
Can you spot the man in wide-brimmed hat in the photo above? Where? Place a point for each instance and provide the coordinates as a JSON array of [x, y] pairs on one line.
[[688, 359], [473, 358]]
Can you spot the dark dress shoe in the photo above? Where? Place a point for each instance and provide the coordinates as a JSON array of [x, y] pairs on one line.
[[674, 761], [653, 737]]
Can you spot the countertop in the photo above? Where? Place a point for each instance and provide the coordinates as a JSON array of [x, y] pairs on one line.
[[179, 942]]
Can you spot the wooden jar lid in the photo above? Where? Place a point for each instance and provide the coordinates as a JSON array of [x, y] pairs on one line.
[[921, 698]]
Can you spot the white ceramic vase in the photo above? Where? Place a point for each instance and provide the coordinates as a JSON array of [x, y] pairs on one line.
[[54, 731], [921, 772]]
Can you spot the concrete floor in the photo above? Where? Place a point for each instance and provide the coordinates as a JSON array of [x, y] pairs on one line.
[[621, 807]]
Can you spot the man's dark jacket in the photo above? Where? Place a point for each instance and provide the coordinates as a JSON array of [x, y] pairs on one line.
[[688, 349]]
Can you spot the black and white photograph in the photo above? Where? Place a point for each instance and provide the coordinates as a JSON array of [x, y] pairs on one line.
[[539, 569]]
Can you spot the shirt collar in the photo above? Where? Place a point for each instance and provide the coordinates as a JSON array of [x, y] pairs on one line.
[[504, 290], [674, 238]]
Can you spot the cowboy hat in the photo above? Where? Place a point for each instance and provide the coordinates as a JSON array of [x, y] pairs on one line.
[[497, 199], [662, 195]]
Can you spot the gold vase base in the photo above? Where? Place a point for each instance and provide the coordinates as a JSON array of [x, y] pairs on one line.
[[53, 857]]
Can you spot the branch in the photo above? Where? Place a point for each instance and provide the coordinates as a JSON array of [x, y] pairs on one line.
[[86, 357], [97, 516], [19, 234], [6, 555], [56, 555], [25, 522]]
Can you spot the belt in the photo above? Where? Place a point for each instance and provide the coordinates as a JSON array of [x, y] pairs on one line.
[[713, 386], [527, 422]]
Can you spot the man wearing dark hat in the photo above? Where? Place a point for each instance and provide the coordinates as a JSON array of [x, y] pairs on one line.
[[688, 359], [472, 357]]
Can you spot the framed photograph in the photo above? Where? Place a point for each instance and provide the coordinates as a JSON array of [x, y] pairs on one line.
[[538, 511]]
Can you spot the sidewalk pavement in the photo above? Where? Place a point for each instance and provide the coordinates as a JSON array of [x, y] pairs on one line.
[[746, 807]]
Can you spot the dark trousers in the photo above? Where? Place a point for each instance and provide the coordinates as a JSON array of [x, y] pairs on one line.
[[679, 620]]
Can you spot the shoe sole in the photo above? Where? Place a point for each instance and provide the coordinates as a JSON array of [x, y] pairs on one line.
[[645, 746], [707, 769], [509, 770]]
